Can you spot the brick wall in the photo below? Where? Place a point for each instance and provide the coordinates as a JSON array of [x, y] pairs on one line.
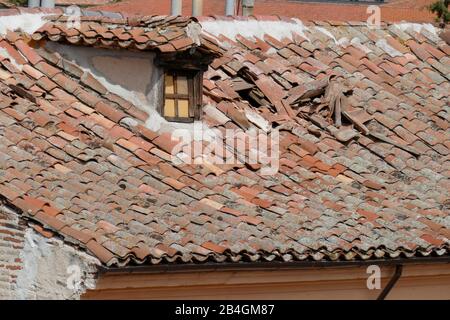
[[12, 233], [35, 267]]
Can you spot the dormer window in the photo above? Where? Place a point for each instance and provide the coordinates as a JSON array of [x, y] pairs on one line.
[[182, 89], [182, 95]]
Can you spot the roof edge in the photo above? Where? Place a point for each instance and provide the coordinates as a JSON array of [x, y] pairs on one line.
[[276, 265]]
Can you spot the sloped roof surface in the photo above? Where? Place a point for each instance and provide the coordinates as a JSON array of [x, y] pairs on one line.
[[79, 160], [162, 33]]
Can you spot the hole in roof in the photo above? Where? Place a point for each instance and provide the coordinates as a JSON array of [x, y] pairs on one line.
[[215, 78], [248, 96]]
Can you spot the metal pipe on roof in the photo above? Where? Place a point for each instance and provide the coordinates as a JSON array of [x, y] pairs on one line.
[[247, 7], [47, 3], [176, 7], [197, 8], [34, 3], [230, 9], [392, 282]]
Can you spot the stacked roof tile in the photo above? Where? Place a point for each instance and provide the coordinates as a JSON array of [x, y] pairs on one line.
[[79, 161], [162, 33]]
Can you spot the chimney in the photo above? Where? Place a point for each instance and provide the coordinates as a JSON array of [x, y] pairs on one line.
[[230, 9], [197, 8], [176, 7], [247, 7], [41, 3], [34, 3], [47, 3]]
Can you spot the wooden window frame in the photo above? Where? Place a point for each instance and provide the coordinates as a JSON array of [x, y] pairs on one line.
[[194, 95]]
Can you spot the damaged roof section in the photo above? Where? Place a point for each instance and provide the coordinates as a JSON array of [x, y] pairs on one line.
[[327, 72], [364, 172]]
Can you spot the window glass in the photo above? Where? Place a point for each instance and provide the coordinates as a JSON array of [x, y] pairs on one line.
[[169, 84], [183, 108], [179, 96], [169, 108], [182, 85]]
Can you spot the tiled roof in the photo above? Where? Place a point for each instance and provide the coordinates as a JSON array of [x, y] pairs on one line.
[[163, 33], [408, 10], [83, 2], [6, 4], [79, 160]]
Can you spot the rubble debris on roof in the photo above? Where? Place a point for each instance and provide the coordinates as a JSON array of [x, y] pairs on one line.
[[364, 152]]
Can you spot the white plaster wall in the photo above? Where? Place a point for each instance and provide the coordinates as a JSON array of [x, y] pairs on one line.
[[34, 267], [254, 28], [26, 22], [53, 270], [131, 75]]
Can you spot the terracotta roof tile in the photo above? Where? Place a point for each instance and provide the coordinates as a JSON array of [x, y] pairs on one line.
[[167, 34], [343, 185]]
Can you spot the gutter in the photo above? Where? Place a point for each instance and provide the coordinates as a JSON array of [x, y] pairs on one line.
[[278, 265], [392, 282]]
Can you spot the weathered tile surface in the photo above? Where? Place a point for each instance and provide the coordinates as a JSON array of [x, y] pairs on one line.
[[376, 186]]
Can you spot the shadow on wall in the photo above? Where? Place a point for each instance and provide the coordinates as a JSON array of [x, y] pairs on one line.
[[131, 75]]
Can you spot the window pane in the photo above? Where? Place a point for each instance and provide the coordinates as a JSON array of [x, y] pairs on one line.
[[169, 108], [182, 85], [169, 84], [183, 108]]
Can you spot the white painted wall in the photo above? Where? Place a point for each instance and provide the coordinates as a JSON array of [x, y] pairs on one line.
[[131, 75], [53, 270], [27, 22], [34, 267]]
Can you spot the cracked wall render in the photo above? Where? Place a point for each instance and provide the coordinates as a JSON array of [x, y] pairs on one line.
[[34, 267], [131, 75]]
